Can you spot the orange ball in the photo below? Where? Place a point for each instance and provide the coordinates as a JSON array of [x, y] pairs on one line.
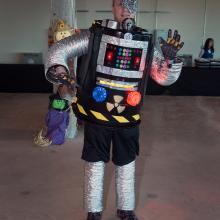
[[134, 98]]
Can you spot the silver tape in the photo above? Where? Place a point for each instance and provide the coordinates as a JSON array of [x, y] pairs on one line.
[[110, 24], [124, 43], [118, 72], [73, 46], [106, 39], [143, 59], [125, 186], [131, 5], [161, 73], [102, 51], [94, 186]]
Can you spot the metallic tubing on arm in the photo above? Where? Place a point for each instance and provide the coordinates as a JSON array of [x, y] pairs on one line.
[[165, 72], [58, 54]]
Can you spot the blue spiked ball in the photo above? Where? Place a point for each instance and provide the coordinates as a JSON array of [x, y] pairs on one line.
[[99, 94]]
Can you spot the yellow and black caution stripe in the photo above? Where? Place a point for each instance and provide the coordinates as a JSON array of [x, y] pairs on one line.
[[81, 109], [100, 116]]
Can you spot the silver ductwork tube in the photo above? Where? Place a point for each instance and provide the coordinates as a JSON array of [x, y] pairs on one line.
[[94, 186], [125, 186], [73, 46], [163, 73]]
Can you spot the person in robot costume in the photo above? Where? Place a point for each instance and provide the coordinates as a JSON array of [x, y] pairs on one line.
[[117, 57]]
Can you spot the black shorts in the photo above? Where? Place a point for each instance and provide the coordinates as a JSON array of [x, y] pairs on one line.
[[98, 139]]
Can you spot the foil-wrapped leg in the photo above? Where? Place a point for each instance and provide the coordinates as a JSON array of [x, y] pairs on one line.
[[165, 72], [94, 186], [125, 186]]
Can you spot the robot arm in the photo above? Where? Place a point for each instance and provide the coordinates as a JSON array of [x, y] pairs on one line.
[[166, 67], [56, 68], [163, 71]]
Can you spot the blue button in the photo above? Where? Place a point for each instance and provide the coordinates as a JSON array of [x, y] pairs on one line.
[[99, 94]]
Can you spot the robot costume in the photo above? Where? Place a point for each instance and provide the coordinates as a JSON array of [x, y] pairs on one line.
[[118, 58]]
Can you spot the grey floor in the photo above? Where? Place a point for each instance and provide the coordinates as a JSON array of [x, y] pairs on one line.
[[178, 171]]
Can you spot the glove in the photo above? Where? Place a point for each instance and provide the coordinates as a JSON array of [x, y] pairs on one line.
[[56, 72], [59, 75], [171, 46]]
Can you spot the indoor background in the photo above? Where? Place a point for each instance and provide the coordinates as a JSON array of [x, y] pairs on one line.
[[24, 23]]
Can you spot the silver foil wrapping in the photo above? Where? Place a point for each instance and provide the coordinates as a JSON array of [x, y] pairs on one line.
[[161, 72], [131, 5], [94, 186], [125, 186], [73, 46]]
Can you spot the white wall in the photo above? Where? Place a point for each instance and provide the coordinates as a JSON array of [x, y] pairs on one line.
[[185, 15], [24, 23]]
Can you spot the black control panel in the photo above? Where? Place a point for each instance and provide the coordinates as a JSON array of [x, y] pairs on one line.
[[122, 57]]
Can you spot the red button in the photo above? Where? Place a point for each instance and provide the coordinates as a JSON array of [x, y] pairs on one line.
[[109, 56], [134, 98], [137, 60]]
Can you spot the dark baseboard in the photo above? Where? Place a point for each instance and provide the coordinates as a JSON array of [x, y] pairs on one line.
[[24, 78]]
